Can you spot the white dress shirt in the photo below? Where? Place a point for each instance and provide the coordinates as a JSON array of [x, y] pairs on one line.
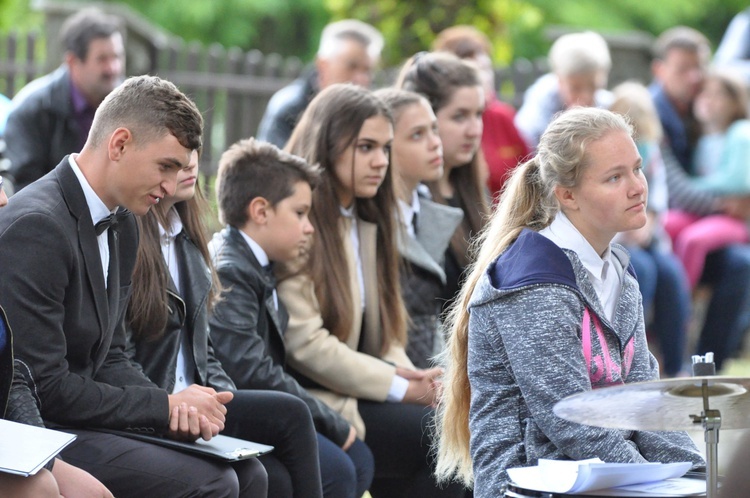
[[98, 211], [605, 272], [409, 212], [262, 258], [185, 366], [354, 234]]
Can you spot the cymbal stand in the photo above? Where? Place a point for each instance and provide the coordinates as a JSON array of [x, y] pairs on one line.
[[711, 422]]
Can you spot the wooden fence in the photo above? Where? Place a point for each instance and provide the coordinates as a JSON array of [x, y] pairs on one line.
[[231, 87], [19, 61]]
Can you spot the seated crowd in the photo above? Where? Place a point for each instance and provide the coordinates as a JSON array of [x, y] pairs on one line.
[[407, 279]]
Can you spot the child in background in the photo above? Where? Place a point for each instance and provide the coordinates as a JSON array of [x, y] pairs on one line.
[[416, 157], [722, 161], [661, 277]]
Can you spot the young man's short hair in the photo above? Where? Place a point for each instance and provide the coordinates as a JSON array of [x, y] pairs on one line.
[[149, 107], [86, 25], [252, 168]]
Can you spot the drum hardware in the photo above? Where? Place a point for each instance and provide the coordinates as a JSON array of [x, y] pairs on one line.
[[668, 405]]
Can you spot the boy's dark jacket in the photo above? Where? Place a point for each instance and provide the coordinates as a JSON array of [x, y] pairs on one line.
[[247, 330]]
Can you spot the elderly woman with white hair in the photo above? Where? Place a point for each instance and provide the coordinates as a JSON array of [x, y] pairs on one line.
[[580, 65]]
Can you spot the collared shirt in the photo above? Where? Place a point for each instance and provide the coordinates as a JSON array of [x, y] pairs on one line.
[[83, 114], [409, 212], [98, 211], [354, 234], [262, 258], [605, 272], [185, 366]]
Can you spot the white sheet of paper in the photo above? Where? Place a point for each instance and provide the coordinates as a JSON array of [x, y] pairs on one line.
[[561, 476], [680, 486], [24, 449]]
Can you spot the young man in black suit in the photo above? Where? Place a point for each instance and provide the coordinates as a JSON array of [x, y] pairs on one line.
[[68, 246]]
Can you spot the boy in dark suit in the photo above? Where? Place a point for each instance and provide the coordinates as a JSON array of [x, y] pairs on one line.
[[68, 245], [264, 198]]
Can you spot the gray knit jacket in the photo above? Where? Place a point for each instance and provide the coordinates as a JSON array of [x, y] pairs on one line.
[[526, 354]]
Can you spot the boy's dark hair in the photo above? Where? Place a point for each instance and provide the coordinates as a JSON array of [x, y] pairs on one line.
[[252, 168], [81, 28]]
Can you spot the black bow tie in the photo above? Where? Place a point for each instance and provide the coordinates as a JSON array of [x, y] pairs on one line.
[[110, 221], [267, 270]]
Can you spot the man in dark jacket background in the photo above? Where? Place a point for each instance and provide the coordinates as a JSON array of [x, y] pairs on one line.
[[52, 115]]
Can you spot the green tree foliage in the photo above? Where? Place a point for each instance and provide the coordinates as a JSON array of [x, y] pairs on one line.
[[411, 26], [286, 27], [18, 15], [517, 27]]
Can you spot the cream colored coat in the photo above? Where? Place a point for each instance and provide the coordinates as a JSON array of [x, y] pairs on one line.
[[316, 353]]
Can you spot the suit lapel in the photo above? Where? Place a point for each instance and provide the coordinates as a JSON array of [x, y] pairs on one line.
[[432, 214], [113, 274], [414, 253], [76, 201], [273, 313]]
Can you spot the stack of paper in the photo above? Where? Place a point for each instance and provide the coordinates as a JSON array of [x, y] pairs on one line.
[[565, 476]]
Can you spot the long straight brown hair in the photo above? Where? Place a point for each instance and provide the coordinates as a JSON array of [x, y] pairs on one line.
[[148, 308], [329, 126], [437, 76]]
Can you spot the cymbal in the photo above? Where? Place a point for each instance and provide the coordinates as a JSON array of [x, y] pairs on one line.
[[660, 405]]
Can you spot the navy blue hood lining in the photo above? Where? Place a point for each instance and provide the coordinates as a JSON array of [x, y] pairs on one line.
[[531, 260]]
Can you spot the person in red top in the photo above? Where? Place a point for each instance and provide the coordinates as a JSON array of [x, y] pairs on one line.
[[502, 145]]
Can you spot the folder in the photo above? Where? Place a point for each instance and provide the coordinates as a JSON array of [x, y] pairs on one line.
[[224, 448], [24, 449]]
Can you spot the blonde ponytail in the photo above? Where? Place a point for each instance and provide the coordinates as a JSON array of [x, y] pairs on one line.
[[527, 201]]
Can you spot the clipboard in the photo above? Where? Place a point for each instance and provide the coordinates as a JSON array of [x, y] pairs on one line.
[[25, 449], [220, 447]]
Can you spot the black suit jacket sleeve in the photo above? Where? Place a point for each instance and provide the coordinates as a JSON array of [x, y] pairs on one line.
[[46, 300], [244, 355]]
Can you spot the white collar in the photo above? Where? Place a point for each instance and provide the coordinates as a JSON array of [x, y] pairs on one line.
[[175, 226], [97, 208], [258, 251], [347, 212], [566, 236], [408, 211]]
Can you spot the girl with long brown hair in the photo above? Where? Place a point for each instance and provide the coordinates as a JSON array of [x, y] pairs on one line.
[[454, 89], [174, 288], [347, 324], [426, 226]]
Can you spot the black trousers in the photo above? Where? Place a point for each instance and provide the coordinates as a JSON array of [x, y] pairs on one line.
[[136, 469], [399, 436], [283, 421]]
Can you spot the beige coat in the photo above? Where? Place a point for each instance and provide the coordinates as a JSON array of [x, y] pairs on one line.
[[316, 353]]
